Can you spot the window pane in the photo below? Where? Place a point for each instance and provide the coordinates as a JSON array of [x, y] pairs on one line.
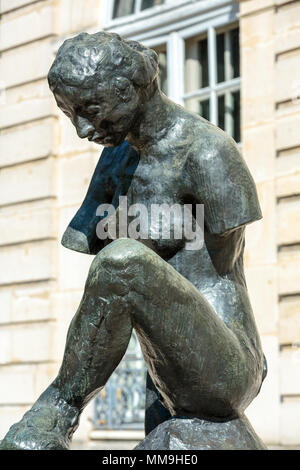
[[235, 47], [237, 116], [220, 57], [151, 3], [221, 111], [229, 114], [228, 55], [162, 61], [198, 106], [123, 8], [204, 109], [196, 64]]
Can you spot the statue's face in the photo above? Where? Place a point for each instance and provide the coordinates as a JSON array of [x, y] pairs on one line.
[[98, 112]]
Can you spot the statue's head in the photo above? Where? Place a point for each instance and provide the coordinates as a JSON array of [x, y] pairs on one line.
[[100, 81]]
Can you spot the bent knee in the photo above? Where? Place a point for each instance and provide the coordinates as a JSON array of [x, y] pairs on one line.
[[124, 258]]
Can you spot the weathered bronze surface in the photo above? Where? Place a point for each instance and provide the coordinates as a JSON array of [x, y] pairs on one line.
[[190, 308]]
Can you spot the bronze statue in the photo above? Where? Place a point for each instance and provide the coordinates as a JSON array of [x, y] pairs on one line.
[[189, 308]]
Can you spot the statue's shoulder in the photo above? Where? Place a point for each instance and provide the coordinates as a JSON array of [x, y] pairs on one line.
[[222, 181]]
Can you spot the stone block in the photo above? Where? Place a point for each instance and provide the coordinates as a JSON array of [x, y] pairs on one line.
[[196, 434], [261, 236], [289, 275], [28, 142], [32, 342], [26, 111], [288, 162], [65, 306], [8, 5], [288, 185], [287, 132], [290, 422], [39, 55], [287, 40], [289, 320], [257, 29], [30, 25], [252, 6], [5, 341], [287, 73], [260, 157], [27, 222], [28, 181], [257, 84], [289, 367], [17, 384], [28, 262], [75, 176], [78, 16], [5, 305], [263, 412], [262, 287], [73, 266], [33, 302], [288, 227], [287, 17]]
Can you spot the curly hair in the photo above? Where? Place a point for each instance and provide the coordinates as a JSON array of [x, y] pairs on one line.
[[85, 57]]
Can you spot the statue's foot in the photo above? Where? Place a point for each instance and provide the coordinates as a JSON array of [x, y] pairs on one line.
[[47, 426]]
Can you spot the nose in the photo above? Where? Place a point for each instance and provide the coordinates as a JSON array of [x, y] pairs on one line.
[[84, 127]]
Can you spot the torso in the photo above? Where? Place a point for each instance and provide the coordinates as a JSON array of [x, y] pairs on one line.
[[161, 178]]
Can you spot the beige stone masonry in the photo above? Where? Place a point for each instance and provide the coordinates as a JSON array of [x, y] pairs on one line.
[[28, 142], [289, 219], [39, 55], [289, 273], [29, 181], [8, 5], [28, 262], [33, 23], [290, 371], [27, 111], [27, 222], [289, 320]]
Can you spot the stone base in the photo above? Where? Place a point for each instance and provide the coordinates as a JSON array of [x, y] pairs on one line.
[[197, 434]]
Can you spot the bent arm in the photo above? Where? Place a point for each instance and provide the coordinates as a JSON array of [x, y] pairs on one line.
[[113, 173]]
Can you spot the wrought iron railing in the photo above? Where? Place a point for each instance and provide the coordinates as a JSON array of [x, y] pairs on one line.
[[121, 404]]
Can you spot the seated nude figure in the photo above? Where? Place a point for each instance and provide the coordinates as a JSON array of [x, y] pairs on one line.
[[189, 308]]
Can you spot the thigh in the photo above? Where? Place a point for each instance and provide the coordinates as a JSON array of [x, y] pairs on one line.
[[195, 361]]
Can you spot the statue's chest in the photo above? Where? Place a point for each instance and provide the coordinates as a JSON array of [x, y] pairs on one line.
[[155, 184]]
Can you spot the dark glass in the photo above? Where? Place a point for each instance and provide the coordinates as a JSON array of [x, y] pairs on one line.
[[163, 77], [204, 109], [235, 48], [150, 3], [203, 59], [220, 57], [123, 8], [237, 116], [221, 112]]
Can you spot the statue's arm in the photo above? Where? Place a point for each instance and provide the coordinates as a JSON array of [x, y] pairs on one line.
[[111, 172], [220, 179]]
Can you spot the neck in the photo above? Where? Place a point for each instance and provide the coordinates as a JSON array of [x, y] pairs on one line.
[[156, 117]]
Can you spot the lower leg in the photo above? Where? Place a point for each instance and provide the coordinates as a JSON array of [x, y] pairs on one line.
[[96, 342]]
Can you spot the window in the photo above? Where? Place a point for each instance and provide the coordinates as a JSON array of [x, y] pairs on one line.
[[212, 78], [130, 7]]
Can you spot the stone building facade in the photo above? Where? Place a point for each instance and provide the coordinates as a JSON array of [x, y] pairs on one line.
[[45, 171]]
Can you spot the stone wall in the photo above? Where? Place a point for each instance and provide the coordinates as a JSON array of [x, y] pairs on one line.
[[270, 49]]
